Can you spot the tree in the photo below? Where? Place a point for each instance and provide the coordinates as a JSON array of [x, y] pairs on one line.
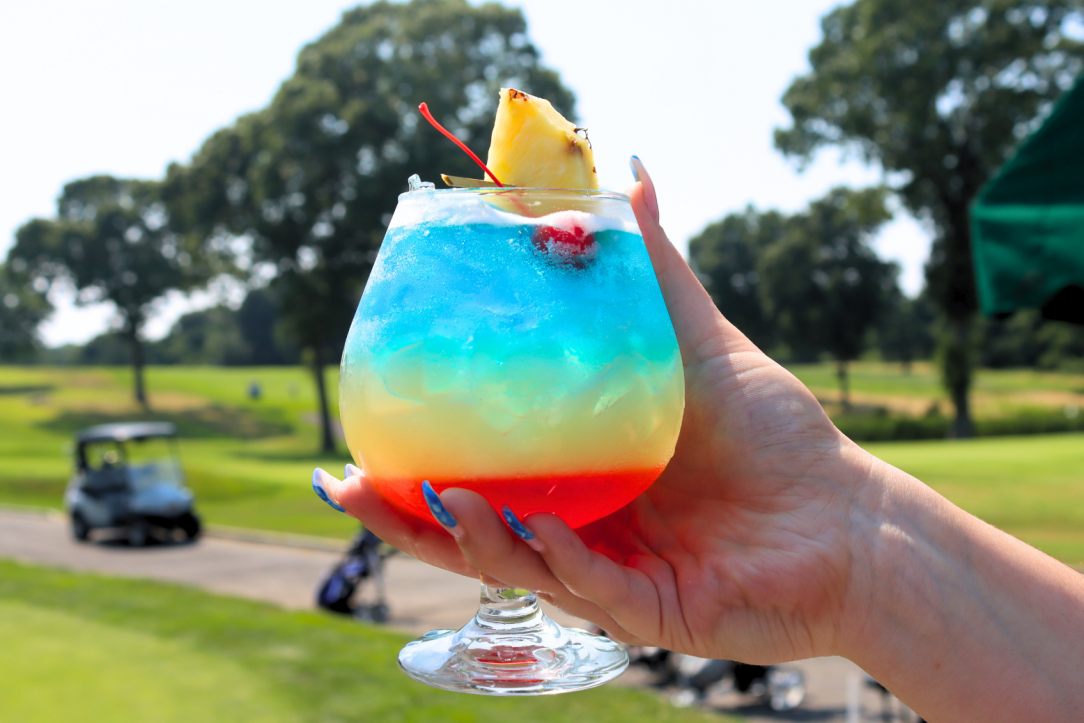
[[937, 93], [312, 180], [22, 309], [805, 284], [108, 349], [208, 337], [258, 320], [1025, 339], [112, 241], [725, 255], [905, 332], [822, 285]]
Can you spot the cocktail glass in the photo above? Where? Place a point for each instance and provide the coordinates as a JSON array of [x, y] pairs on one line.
[[513, 342]]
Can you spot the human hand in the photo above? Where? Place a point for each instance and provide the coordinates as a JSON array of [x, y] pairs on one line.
[[741, 549]]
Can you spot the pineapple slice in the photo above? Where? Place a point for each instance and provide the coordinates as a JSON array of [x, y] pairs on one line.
[[533, 146]]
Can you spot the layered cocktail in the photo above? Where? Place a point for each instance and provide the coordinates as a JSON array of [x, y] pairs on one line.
[[530, 359], [514, 342]]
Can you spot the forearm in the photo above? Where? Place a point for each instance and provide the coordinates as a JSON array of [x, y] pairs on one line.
[[960, 620]]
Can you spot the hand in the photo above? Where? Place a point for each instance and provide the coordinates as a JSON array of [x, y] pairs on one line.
[[771, 537], [739, 550]]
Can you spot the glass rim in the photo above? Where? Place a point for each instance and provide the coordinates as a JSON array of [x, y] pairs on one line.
[[579, 192]]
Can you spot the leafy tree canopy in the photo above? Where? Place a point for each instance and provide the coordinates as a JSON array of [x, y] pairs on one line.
[[822, 284], [111, 240], [906, 332], [806, 284], [726, 255], [311, 181], [937, 92], [22, 309]]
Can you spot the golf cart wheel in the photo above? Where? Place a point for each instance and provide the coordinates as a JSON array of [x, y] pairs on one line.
[[138, 533], [190, 526], [80, 528]]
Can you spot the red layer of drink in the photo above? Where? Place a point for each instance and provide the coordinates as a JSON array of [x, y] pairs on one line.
[[577, 499]]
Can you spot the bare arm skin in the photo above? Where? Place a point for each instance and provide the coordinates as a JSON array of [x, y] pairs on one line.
[[772, 537], [960, 620]]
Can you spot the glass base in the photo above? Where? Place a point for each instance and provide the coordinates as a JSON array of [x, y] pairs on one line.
[[512, 648]]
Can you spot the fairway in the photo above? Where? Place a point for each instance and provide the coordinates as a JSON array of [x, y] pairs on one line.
[[57, 666], [84, 647], [915, 391], [250, 461], [1031, 487]]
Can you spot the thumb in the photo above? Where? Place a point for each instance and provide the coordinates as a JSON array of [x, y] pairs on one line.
[[692, 312]]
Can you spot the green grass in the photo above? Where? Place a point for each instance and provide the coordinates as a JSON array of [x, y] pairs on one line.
[[923, 379], [995, 393], [60, 666], [250, 462], [84, 647], [1031, 487]]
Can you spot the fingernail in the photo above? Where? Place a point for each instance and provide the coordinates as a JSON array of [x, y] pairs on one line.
[[436, 507], [640, 174], [521, 531], [515, 524], [321, 491], [352, 471]]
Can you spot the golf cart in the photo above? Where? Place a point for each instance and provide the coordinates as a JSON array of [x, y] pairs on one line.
[[129, 476]]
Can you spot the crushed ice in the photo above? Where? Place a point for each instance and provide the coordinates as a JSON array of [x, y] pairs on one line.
[[415, 183]]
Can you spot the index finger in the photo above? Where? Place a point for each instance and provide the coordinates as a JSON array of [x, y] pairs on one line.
[[418, 539]]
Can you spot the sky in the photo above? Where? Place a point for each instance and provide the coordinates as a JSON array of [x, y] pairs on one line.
[[690, 86]]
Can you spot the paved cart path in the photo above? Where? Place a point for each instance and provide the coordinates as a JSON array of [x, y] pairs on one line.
[[420, 597]]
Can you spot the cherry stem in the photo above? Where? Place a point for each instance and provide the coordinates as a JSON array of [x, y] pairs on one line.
[[433, 121]]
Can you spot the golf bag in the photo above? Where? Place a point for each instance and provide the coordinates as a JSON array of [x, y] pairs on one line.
[[364, 560]]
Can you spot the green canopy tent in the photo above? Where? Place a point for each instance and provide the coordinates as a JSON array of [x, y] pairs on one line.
[[1027, 224]]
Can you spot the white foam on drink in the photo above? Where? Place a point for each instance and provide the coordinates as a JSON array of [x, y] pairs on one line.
[[458, 209]]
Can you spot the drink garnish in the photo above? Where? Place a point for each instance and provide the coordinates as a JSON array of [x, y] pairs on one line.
[[460, 182], [534, 146], [451, 136], [566, 237]]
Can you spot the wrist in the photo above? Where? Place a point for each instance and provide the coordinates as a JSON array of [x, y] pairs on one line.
[[896, 557], [861, 485]]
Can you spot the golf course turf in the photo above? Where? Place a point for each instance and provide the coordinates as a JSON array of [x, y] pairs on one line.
[[250, 461], [86, 647]]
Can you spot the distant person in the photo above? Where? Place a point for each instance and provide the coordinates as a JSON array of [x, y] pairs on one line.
[[110, 459], [773, 537], [254, 391]]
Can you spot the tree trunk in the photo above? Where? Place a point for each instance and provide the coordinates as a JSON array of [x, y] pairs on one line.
[[956, 367], [327, 441], [137, 368], [844, 385], [958, 296]]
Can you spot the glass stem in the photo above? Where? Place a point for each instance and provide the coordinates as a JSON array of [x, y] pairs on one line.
[[504, 608]]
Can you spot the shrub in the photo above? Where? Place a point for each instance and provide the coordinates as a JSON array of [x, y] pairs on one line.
[[875, 428]]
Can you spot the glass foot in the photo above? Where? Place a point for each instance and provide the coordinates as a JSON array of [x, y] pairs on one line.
[[512, 648]]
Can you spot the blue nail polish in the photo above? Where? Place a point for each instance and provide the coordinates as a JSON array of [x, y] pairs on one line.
[[352, 471], [517, 527], [635, 173], [436, 506], [318, 488]]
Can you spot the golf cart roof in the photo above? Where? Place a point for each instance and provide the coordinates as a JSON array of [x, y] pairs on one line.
[[122, 432]]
